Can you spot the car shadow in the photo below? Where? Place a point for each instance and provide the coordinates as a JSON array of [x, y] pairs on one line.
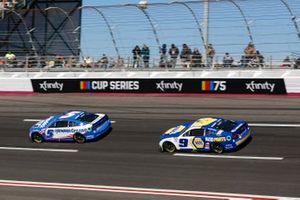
[[102, 136]]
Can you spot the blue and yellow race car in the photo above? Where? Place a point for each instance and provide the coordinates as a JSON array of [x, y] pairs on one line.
[[78, 126], [205, 134]]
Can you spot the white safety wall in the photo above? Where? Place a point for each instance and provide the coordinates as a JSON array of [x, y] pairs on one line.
[[20, 81]]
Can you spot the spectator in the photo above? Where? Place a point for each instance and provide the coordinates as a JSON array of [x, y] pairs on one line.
[[136, 56], [173, 52], [72, 62], [59, 61], [196, 58], [33, 61], [250, 52], [185, 55], [210, 55], [145, 55], [260, 59], [297, 63], [88, 62], [50, 64], [103, 61], [10, 59], [163, 56], [287, 59], [227, 60]]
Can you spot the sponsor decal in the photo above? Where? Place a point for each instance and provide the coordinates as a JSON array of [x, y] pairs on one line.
[[162, 86], [220, 139], [45, 86], [198, 143], [212, 86], [207, 146], [183, 85], [109, 85], [228, 146], [217, 139], [266, 86], [228, 138]]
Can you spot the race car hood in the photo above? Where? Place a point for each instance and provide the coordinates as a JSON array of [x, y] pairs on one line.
[[176, 131]]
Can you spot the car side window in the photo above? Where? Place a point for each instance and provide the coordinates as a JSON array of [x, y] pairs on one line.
[[208, 132], [197, 132], [72, 124], [61, 124], [53, 125], [187, 134]]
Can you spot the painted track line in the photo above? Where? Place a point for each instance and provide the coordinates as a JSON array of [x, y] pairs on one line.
[[273, 125], [32, 120], [39, 149], [37, 120], [228, 157], [136, 190]]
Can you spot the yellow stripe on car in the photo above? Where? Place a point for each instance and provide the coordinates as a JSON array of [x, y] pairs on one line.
[[175, 129], [203, 122]]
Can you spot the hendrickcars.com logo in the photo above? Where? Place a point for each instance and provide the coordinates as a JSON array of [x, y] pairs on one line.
[[211, 86]]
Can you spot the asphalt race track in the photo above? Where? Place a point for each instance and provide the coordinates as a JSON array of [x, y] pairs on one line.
[[129, 155]]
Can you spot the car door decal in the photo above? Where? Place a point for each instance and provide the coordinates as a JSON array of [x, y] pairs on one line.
[[198, 143]]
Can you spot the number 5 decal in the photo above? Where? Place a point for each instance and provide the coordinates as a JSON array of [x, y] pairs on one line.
[[183, 142]]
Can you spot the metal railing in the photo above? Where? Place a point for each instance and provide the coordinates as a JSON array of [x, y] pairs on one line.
[[59, 63]]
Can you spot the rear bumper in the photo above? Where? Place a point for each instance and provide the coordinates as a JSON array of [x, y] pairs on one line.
[[243, 139], [101, 130]]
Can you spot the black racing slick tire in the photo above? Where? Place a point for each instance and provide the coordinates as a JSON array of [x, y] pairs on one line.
[[79, 138], [169, 147], [217, 147], [37, 138]]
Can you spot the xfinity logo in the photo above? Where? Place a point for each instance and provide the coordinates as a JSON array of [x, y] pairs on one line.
[[169, 86], [252, 86], [46, 86]]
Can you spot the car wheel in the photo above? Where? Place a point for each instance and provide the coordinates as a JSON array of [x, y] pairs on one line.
[[37, 138], [79, 138], [169, 147], [217, 147]]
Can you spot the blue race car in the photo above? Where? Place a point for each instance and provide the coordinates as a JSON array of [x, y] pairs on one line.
[[78, 126], [205, 134]]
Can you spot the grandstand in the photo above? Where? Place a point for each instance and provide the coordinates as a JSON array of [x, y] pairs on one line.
[[28, 28]]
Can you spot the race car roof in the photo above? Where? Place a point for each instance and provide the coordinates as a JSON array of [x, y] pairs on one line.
[[205, 122], [70, 115]]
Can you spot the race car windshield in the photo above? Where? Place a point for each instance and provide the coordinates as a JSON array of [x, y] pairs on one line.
[[87, 117], [225, 125]]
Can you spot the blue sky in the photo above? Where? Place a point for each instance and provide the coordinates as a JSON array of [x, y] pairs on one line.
[[269, 21]]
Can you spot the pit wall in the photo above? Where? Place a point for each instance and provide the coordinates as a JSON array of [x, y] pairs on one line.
[[153, 81]]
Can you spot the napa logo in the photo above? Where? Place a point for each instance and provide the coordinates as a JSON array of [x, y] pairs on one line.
[[211, 86]]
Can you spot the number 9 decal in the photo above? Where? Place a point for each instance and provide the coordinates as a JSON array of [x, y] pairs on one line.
[[183, 142]]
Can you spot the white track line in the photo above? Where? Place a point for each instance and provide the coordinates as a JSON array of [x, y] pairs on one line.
[[39, 149], [32, 120], [228, 157], [37, 120], [274, 125], [136, 190]]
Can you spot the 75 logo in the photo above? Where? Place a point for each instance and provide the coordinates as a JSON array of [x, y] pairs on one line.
[[213, 86]]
